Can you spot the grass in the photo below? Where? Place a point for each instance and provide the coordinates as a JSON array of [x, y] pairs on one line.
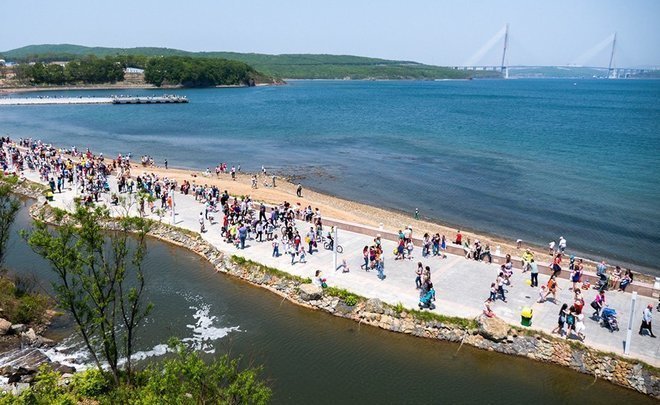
[[428, 316], [243, 262], [348, 297]]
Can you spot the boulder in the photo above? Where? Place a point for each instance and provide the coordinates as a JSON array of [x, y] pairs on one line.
[[18, 328], [5, 326], [493, 329], [63, 368], [310, 292], [374, 305], [30, 336]]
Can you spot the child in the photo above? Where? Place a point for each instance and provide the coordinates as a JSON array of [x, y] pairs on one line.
[[343, 266], [276, 247], [543, 292], [493, 292], [301, 252]]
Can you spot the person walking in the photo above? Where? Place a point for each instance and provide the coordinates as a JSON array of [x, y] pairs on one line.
[[365, 255], [418, 273], [299, 190], [647, 317], [242, 235], [561, 321], [576, 275], [165, 164], [500, 286], [276, 247]]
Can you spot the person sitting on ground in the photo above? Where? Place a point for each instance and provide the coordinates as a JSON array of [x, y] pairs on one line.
[[614, 278], [486, 254], [487, 309], [319, 280], [343, 266], [626, 280]]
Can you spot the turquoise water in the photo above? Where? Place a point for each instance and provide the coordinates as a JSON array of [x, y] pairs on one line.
[[529, 159]]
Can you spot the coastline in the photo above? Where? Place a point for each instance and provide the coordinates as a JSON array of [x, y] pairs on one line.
[[337, 207]]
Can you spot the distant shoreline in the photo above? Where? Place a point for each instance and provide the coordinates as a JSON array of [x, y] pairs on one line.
[[31, 89]]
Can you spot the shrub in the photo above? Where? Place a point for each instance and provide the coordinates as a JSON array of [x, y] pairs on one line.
[[31, 308], [351, 300], [91, 383]]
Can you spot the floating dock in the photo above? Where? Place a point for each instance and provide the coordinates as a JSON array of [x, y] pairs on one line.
[[149, 100], [92, 100]]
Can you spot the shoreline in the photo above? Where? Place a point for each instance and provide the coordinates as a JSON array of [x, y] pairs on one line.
[[340, 208], [367, 214]]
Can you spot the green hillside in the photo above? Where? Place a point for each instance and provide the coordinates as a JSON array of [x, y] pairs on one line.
[[291, 66]]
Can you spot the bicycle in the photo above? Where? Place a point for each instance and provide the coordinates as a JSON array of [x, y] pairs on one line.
[[328, 246]]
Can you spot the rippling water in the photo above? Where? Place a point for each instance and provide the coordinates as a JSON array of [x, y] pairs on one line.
[[530, 159]]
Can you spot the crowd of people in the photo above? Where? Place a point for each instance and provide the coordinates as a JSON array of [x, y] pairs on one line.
[[243, 221]]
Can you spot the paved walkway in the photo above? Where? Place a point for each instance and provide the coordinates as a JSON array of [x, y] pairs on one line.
[[461, 285]]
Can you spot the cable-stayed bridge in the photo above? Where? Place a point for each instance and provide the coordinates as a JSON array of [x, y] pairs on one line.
[[501, 38]]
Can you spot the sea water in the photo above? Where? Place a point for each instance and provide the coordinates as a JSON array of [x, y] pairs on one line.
[[528, 159]]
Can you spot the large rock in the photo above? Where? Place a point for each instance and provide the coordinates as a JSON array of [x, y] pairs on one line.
[[374, 305], [5, 326], [17, 329], [493, 329], [30, 336], [310, 292]]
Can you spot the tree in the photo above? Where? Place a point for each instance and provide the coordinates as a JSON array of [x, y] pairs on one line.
[[9, 206], [100, 280]]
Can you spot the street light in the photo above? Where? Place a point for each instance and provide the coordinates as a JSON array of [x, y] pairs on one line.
[[630, 323], [334, 249]]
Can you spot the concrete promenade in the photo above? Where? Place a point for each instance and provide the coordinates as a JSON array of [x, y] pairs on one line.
[[461, 285]]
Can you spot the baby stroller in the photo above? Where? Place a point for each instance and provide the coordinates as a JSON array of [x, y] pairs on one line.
[[426, 300], [608, 319]]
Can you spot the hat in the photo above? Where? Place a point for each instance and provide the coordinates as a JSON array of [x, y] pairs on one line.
[[650, 306]]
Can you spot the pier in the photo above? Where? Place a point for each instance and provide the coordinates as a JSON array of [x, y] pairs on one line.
[[93, 100]]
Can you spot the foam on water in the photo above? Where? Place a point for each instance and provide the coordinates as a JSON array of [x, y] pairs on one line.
[[72, 352], [204, 331]]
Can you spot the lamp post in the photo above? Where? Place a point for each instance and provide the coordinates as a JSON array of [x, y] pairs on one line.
[[630, 323], [173, 213], [334, 249]]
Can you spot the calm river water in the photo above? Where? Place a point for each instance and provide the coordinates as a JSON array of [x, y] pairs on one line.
[[313, 357]]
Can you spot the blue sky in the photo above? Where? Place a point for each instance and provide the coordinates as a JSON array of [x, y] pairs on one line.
[[436, 32]]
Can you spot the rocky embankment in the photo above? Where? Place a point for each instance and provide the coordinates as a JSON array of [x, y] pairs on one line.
[[20, 363], [485, 333], [490, 334]]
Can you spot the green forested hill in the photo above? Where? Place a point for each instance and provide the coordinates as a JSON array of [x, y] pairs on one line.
[[291, 66]]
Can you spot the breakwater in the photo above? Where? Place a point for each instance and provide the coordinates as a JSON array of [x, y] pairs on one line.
[[483, 333], [92, 100]]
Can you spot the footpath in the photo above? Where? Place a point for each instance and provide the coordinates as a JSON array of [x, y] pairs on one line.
[[461, 285]]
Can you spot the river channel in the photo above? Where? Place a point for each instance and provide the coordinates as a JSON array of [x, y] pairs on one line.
[[313, 357]]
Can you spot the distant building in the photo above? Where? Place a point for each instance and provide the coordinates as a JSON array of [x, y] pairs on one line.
[[2, 62], [134, 70]]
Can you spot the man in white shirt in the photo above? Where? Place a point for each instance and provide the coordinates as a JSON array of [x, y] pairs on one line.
[[562, 244], [647, 317]]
